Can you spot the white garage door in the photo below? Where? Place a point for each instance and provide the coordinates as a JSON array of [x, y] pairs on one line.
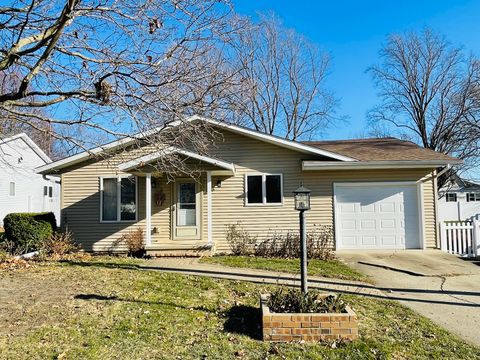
[[376, 216]]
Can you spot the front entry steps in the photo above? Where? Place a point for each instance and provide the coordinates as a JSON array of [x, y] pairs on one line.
[[158, 250]]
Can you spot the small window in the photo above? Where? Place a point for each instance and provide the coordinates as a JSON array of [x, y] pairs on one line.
[[12, 189], [119, 199], [264, 189], [254, 192], [473, 196], [451, 197], [48, 191]]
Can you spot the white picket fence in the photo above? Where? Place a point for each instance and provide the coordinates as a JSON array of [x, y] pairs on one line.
[[460, 237]]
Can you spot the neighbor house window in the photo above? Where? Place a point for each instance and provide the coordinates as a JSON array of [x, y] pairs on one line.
[[451, 197], [118, 198], [12, 189], [263, 189], [48, 191], [473, 196]]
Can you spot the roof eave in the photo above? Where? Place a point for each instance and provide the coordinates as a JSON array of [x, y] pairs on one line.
[[149, 158], [308, 165]]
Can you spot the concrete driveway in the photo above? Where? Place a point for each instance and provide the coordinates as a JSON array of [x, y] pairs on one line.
[[438, 285]]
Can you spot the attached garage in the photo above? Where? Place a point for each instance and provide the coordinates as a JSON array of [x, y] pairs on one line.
[[378, 215]]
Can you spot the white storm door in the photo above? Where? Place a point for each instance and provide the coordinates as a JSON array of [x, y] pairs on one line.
[[187, 214]]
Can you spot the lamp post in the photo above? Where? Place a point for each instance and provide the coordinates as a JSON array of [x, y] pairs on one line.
[[302, 204]]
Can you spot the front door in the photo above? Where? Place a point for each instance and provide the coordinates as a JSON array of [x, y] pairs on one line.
[[187, 210]]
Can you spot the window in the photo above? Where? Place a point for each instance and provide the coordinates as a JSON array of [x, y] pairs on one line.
[[12, 189], [473, 197], [451, 197], [48, 191], [118, 198], [264, 189]]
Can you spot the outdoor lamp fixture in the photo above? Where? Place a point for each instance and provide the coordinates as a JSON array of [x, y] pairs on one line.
[[302, 204], [302, 198]]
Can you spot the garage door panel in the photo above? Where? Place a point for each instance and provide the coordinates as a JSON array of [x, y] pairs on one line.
[[387, 224], [377, 216], [370, 208], [387, 207], [348, 224], [367, 224], [368, 240], [388, 240]]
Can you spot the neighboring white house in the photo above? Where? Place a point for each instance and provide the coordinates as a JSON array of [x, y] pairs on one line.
[[459, 200], [21, 188]]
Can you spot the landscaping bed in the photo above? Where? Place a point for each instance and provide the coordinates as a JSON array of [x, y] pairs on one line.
[[324, 268], [103, 307], [308, 326]]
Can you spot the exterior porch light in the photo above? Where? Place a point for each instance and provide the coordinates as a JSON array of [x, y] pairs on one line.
[[302, 204]]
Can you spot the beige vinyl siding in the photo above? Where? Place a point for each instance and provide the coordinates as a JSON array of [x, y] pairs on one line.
[[81, 199], [252, 156]]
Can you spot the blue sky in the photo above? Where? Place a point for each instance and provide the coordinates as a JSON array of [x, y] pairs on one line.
[[352, 32]]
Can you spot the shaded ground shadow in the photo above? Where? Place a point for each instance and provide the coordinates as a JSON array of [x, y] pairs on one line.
[[244, 320], [98, 297]]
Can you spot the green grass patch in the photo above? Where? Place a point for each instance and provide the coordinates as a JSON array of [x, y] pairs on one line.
[[330, 268], [104, 309]]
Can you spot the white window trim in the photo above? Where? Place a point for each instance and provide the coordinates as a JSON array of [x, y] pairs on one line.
[[264, 189], [475, 194], [447, 197], [119, 178]]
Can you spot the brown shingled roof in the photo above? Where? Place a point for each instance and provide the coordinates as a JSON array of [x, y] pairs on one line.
[[378, 149]]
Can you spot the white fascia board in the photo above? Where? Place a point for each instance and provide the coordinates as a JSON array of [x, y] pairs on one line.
[[158, 154], [74, 159], [77, 158], [399, 164], [289, 144], [30, 143]]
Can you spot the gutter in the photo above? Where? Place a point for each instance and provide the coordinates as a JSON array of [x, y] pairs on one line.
[[308, 165]]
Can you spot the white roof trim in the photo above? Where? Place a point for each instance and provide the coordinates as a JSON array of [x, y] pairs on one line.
[[289, 144], [74, 159], [393, 164], [30, 143], [158, 154]]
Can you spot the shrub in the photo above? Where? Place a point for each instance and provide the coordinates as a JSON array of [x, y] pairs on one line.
[[239, 240], [59, 243], [135, 242], [27, 231], [287, 245], [293, 301]]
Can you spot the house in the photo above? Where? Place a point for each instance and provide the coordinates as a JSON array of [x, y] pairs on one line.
[[376, 193], [21, 188], [458, 200]]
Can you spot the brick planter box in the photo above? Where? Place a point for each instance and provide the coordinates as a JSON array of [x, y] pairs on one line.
[[283, 327]]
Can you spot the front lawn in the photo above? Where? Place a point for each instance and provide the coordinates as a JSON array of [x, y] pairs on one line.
[[330, 269], [106, 308]]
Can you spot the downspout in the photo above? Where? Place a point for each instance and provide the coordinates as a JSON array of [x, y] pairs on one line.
[[435, 200]]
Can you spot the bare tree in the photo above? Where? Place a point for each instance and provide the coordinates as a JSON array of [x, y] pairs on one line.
[[283, 82], [107, 68], [430, 93]]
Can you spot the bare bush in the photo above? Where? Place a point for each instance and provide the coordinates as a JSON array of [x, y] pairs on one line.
[[135, 242], [59, 244], [239, 240], [287, 245]]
